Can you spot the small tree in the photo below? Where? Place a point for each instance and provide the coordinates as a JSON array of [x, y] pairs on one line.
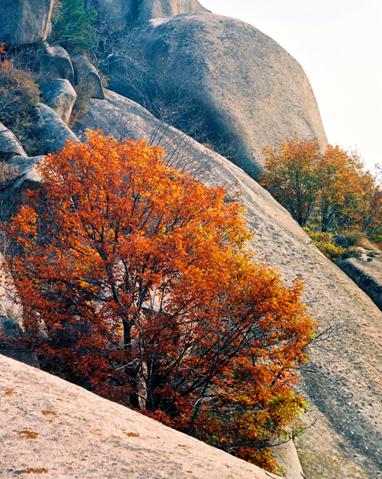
[[139, 278], [339, 175], [317, 188], [369, 216], [74, 25], [291, 176]]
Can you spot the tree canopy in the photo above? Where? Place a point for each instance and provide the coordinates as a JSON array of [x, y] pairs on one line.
[[329, 190], [136, 283]]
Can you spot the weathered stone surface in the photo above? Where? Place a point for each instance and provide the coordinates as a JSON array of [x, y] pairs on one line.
[[220, 80], [28, 175], [24, 21], [87, 77], [56, 63], [60, 96], [366, 271], [167, 8], [344, 381], [9, 144], [51, 130], [63, 431], [113, 15], [116, 15]]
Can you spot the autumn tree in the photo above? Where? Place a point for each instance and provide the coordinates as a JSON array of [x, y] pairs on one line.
[[291, 176], [319, 188], [369, 212], [339, 176], [136, 283]]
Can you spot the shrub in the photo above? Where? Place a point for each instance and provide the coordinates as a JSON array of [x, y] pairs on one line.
[[148, 296], [325, 242], [19, 93]]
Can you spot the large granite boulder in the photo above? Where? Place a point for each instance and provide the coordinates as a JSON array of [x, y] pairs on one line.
[[54, 429], [51, 131], [116, 15], [343, 383], [220, 80], [24, 22], [9, 144], [60, 96]]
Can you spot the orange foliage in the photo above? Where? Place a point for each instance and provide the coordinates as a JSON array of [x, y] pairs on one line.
[[136, 283], [323, 186]]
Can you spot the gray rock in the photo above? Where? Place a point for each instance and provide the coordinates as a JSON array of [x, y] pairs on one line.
[[87, 77], [116, 15], [25, 21], [9, 144], [220, 80], [366, 271], [113, 15], [343, 383], [28, 174], [342, 241], [51, 130], [55, 63], [60, 96]]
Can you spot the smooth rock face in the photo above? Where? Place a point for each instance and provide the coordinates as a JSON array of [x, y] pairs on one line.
[[220, 80], [56, 63], [343, 383], [116, 15], [53, 429], [87, 77], [60, 96], [24, 21], [9, 144], [113, 15], [51, 130]]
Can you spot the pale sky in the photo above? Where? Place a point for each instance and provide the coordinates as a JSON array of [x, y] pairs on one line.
[[339, 45]]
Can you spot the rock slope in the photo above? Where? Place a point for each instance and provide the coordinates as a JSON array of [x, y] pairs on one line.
[[52, 429], [220, 80], [344, 381]]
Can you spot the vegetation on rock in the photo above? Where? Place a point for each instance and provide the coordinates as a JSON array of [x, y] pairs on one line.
[[136, 283], [73, 25]]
